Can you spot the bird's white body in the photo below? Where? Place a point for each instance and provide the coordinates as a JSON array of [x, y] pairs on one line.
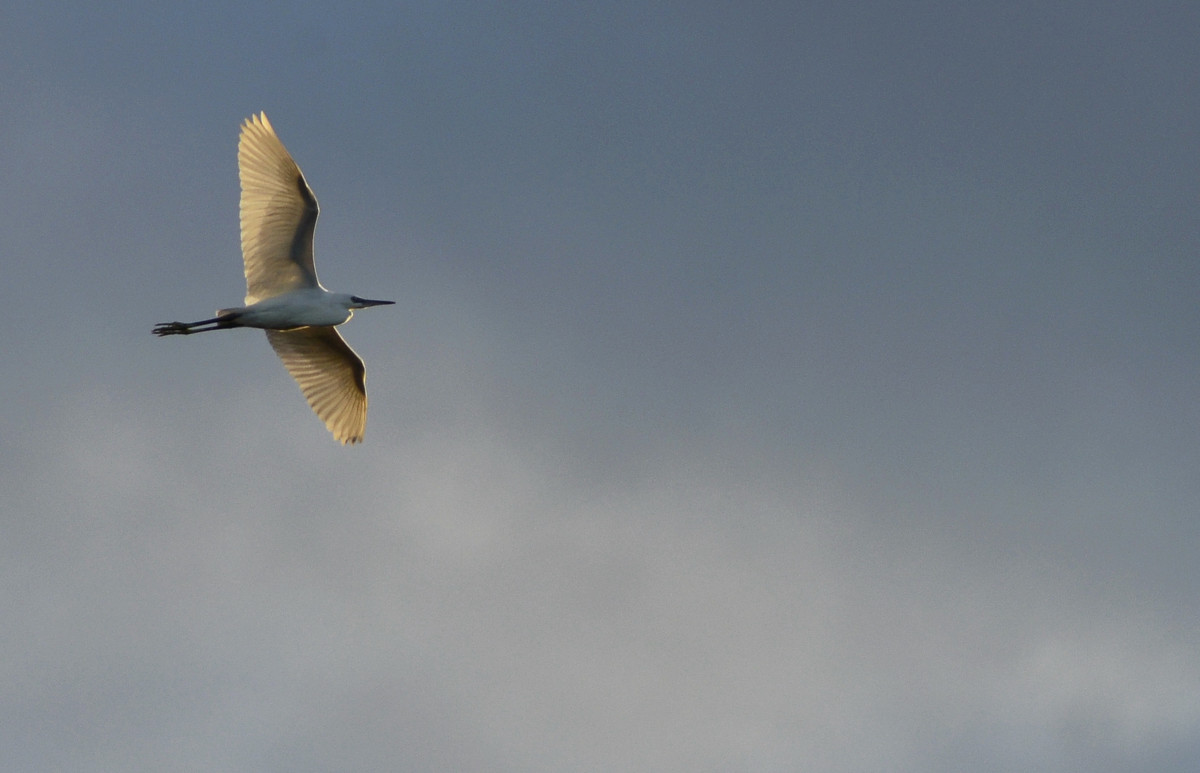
[[306, 307], [283, 296]]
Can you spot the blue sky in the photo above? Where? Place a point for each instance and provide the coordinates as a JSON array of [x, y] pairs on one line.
[[779, 387]]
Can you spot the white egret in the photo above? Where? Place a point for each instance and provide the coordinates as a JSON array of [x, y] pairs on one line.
[[283, 296]]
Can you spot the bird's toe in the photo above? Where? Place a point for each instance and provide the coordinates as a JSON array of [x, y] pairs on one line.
[[170, 328]]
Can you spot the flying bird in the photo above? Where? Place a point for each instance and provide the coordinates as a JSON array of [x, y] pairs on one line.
[[283, 296]]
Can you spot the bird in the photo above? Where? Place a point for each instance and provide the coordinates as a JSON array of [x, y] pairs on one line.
[[278, 214]]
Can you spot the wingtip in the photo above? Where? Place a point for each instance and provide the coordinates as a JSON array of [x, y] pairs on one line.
[[258, 119]]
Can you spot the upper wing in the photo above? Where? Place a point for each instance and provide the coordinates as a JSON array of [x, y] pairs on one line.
[[278, 212], [330, 375]]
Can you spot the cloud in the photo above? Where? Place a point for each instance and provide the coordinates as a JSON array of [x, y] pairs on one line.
[[467, 594]]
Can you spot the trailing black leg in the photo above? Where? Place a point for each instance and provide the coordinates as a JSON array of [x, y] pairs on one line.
[[222, 322]]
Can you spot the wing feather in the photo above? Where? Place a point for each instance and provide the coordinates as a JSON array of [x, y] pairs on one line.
[[278, 215], [330, 375]]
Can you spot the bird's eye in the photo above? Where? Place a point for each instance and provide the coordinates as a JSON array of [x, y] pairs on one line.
[[355, 299]]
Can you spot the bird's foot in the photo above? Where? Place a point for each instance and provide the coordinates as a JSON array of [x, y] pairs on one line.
[[171, 329]]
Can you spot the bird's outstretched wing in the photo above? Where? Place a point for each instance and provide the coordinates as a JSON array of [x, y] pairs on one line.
[[330, 375], [278, 212]]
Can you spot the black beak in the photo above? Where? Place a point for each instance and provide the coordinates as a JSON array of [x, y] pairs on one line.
[[364, 302]]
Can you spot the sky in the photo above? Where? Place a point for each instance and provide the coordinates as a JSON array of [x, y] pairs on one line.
[[771, 387]]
